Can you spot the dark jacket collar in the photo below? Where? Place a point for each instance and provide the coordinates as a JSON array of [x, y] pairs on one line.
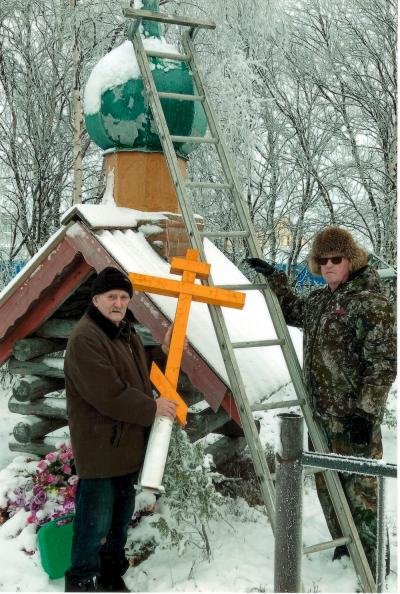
[[123, 330]]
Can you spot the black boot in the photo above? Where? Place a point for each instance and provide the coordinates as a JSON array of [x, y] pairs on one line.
[[73, 584], [107, 583], [340, 552]]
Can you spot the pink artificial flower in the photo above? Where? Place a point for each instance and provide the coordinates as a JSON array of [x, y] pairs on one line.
[[51, 479], [66, 468], [73, 479], [62, 446], [64, 457], [51, 457], [42, 464]]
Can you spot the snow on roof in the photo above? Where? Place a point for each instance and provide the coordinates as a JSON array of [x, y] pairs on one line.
[[117, 67], [108, 216], [263, 368]]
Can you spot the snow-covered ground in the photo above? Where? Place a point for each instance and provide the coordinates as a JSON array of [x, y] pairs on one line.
[[242, 553]]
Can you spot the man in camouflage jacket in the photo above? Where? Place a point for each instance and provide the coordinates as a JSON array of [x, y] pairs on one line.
[[349, 364]]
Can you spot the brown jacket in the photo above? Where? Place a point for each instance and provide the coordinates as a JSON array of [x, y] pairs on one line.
[[109, 396]]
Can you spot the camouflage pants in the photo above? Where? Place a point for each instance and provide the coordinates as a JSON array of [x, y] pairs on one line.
[[360, 490]]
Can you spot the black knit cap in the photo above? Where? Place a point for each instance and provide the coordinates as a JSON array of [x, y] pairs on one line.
[[111, 278]]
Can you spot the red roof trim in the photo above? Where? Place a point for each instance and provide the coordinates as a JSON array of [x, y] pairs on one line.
[[19, 302], [59, 286]]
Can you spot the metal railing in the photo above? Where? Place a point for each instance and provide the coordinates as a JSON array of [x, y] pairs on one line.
[[290, 461]]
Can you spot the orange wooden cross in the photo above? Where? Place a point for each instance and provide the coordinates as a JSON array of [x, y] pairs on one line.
[[186, 291]]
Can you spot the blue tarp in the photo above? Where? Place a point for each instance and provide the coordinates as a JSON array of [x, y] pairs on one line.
[[304, 278]]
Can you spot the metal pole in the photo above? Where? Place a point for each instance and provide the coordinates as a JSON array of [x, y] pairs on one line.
[[381, 538], [289, 504]]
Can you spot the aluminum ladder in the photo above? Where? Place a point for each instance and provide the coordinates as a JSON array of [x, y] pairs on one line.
[[247, 233]]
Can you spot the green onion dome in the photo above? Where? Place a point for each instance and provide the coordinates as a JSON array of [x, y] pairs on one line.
[[117, 113]]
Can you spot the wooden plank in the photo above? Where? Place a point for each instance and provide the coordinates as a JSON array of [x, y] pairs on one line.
[[166, 390], [173, 288], [30, 387], [59, 290], [174, 360], [29, 348], [201, 269], [53, 408]]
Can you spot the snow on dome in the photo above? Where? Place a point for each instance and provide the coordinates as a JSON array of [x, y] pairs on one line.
[[116, 68]]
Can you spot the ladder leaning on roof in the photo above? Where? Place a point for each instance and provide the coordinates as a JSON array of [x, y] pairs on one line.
[[247, 233]]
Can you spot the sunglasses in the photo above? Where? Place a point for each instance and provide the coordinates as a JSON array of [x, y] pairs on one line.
[[333, 259]]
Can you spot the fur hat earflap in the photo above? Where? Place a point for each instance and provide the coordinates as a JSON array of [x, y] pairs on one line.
[[334, 241]]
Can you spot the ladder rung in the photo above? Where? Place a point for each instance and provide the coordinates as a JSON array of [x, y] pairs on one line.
[[209, 185], [247, 344], [195, 139], [330, 544], [180, 96], [255, 287], [272, 405], [310, 471], [172, 19], [225, 234], [168, 56]]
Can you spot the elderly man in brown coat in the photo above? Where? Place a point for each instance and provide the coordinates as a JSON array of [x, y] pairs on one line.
[[110, 408]]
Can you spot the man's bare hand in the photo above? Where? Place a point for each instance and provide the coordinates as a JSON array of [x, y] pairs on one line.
[[165, 408], [167, 340]]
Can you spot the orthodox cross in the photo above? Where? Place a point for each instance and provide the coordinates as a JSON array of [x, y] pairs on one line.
[[186, 291]]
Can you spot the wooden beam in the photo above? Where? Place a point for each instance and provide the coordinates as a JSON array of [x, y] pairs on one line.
[[49, 367], [41, 447], [30, 387], [207, 421], [36, 427], [173, 288], [56, 328], [225, 448], [201, 269], [46, 302], [53, 408], [30, 348]]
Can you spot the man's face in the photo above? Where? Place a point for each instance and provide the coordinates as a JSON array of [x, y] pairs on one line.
[[335, 274], [112, 304]]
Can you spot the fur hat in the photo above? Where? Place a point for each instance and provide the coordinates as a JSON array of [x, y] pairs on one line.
[[111, 278], [336, 241]]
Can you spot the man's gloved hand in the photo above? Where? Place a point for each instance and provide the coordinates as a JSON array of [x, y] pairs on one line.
[[359, 430], [260, 266]]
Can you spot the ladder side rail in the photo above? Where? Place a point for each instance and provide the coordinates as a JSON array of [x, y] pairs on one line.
[[335, 488], [244, 216], [237, 387]]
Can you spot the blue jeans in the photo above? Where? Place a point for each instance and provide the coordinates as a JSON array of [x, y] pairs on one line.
[[103, 509]]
